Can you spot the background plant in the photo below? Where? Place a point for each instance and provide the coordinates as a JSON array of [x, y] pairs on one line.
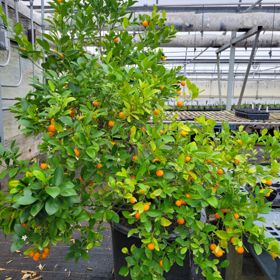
[[109, 156]]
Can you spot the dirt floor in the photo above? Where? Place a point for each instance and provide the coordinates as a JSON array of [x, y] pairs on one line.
[[13, 266]]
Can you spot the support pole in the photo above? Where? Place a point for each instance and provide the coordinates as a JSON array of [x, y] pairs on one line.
[[230, 85], [1, 118], [253, 52], [219, 79]]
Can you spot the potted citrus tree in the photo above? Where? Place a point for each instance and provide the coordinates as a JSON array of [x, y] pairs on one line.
[[109, 153]]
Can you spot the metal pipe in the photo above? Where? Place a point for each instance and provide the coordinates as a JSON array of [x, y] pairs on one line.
[[219, 78], [1, 118], [253, 6], [17, 84], [253, 52], [32, 34]]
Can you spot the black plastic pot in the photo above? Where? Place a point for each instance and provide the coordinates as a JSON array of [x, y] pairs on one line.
[[252, 114], [120, 240]]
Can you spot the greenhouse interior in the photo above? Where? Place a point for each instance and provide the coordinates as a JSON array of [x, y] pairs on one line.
[[140, 139]]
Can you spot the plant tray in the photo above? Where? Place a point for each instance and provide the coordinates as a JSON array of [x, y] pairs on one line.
[[252, 114]]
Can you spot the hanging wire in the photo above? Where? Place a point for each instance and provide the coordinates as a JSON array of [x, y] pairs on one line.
[[273, 22]]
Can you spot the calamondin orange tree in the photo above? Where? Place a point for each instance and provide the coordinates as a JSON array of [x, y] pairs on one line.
[[108, 154]]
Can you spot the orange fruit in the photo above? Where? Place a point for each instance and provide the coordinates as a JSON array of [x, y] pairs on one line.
[[111, 123], [51, 128], [36, 256], [220, 171], [145, 23], [132, 200], [239, 249], [161, 263], [184, 133], [213, 247], [180, 221], [72, 112], [217, 216], [31, 254], [188, 195], [151, 246], [236, 161], [188, 159], [209, 161], [24, 225], [51, 134], [116, 40], [156, 159], [183, 83], [180, 103], [178, 202], [159, 173], [44, 165], [95, 104], [183, 202], [219, 253], [134, 157], [224, 210], [137, 216], [236, 215], [146, 207], [44, 256], [143, 129], [59, 1], [274, 256], [99, 165], [156, 112], [133, 177], [77, 152], [268, 182], [214, 189], [232, 240], [121, 115]]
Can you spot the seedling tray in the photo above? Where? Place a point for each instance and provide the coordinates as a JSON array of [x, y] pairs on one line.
[[252, 114]]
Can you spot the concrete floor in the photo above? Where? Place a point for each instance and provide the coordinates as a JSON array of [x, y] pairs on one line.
[[14, 266]]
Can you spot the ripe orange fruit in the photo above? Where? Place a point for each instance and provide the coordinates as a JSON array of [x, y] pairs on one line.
[[209, 161], [145, 23], [31, 254], [77, 152], [232, 240], [183, 83], [72, 112], [188, 159], [116, 40], [213, 247], [44, 165], [236, 161], [274, 256], [46, 250], [24, 225], [111, 123], [217, 216], [95, 104], [44, 256], [180, 103], [267, 194], [36, 256], [219, 253], [159, 173], [184, 133], [178, 203], [132, 200], [134, 157], [146, 207], [133, 177], [51, 128], [59, 1], [239, 249], [151, 246], [180, 221], [137, 216], [143, 129], [188, 195], [156, 112], [220, 171], [99, 165], [236, 215], [161, 263], [268, 182], [214, 189], [121, 115]]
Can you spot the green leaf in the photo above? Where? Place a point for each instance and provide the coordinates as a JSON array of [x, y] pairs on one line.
[[91, 151], [257, 248], [165, 222], [66, 120], [156, 193], [213, 201], [39, 175], [221, 234], [27, 199], [53, 191], [51, 206], [58, 176], [36, 208], [51, 85], [123, 271]]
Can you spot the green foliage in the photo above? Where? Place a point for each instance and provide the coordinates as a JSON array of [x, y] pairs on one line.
[[101, 117]]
